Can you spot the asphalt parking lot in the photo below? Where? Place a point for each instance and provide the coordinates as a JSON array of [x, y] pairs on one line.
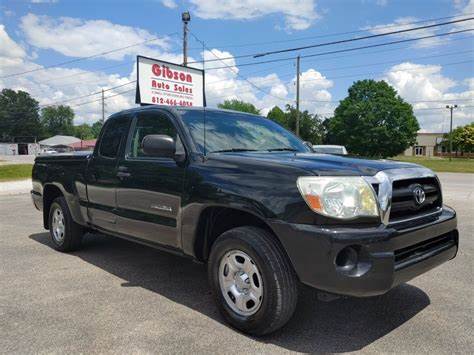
[[114, 296]]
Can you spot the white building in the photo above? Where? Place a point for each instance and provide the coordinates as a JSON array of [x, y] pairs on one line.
[[427, 145], [19, 148], [58, 140]]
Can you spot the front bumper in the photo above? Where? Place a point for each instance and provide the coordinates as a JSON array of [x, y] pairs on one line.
[[37, 199], [386, 256]]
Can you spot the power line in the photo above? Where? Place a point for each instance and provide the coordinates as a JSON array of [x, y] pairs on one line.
[[87, 72], [273, 67], [285, 50], [274, 52], [307, 56], [339, 51], [365, 65], [84, 58], [100, 99], [237, 65], [266, 80], [231, 69], [345, 50], [325, 53], [440, 108], [369, 74], [335, 34], [421, 109], [345, 76], [88, 95]]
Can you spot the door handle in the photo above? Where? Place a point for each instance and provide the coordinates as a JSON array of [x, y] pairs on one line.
[[122, 172]]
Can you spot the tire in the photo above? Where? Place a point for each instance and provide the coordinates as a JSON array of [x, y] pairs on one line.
[[66, 236], [275, 281]]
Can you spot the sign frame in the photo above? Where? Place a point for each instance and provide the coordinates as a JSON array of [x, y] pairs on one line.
[[137, 91]]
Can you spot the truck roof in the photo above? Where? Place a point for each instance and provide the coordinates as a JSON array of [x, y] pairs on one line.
[[175, 109]]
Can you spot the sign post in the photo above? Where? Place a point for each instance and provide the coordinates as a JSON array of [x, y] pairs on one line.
[[164, 83]]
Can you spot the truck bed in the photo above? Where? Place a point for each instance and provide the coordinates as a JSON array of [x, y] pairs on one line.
[[81, 155]]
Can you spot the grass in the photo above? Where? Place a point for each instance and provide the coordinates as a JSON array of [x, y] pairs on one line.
[[456, 165], [15, 172]]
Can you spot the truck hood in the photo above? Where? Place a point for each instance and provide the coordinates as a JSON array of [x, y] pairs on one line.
[[317, 164]]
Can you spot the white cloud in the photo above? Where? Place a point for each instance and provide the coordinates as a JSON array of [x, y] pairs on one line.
[[266, 91], [9, 13], [299, 14], [314, 92], [419, 81], [9, 48], [467, 9], [427, 88], [403, 23], [381, 2], [45, 86], [169, 4], [44, 1], [469, 83], [75, 37]]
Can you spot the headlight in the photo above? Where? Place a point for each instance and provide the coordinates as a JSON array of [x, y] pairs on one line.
[[339, 197]]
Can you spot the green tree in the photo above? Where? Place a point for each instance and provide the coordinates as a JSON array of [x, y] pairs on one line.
[[238, 105], [276, 114], [311, 128], [83, 131], [373, 121], [463, 139], [58, 120], [96, 127], [19, 116]]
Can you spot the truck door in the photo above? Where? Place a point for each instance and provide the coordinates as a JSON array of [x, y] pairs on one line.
[[102, 175], [149, 194]]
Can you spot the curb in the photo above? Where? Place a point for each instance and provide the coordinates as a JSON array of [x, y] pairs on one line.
[[16, 187]]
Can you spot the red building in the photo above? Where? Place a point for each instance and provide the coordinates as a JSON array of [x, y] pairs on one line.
[[84, 145]]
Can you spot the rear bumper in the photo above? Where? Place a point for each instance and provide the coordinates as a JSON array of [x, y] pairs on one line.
[[385, 257]]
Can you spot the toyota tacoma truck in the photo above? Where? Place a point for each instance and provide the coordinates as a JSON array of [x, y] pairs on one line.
[[254, 202]]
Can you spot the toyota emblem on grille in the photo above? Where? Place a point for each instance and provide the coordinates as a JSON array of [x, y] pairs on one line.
[[419, 195]]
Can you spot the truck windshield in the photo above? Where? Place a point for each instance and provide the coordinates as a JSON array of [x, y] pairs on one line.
[[238, 132]]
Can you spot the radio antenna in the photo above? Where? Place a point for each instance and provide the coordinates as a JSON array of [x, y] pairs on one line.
[[204, 133], [204, 98]]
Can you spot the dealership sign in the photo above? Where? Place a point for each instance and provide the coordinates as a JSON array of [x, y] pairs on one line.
[[163, 83]]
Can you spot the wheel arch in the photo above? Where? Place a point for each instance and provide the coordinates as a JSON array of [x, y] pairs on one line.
[[50, 193], [215, 220]]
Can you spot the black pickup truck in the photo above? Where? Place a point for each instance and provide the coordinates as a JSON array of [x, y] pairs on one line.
[[254, 202]]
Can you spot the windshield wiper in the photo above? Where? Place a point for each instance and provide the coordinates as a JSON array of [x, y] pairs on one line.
[[234, 150], [282, 149]]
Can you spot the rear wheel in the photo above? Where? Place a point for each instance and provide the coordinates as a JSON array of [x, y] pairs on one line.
[[66, 234], [252, 280]]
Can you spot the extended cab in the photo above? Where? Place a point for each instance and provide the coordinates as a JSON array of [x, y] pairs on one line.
[[254, 202]]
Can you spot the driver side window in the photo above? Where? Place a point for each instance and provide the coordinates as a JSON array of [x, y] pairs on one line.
[[152, 123]]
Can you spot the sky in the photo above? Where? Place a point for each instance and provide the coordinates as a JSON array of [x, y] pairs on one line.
[[95, 44]]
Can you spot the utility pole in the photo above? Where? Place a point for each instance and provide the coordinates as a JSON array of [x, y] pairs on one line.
[[298, 95], [451, 108], [103, 107], [185, 17]]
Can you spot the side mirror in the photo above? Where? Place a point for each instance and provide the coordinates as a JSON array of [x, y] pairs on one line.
[[159, 145]]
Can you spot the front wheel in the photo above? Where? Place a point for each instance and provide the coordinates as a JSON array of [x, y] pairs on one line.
[[252, 280], [66, 234]]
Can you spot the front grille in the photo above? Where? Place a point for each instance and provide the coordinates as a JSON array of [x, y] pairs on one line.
[[418, 252], [404, 205]]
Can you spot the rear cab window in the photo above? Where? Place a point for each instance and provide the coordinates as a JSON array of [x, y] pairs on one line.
[[115, 131]]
